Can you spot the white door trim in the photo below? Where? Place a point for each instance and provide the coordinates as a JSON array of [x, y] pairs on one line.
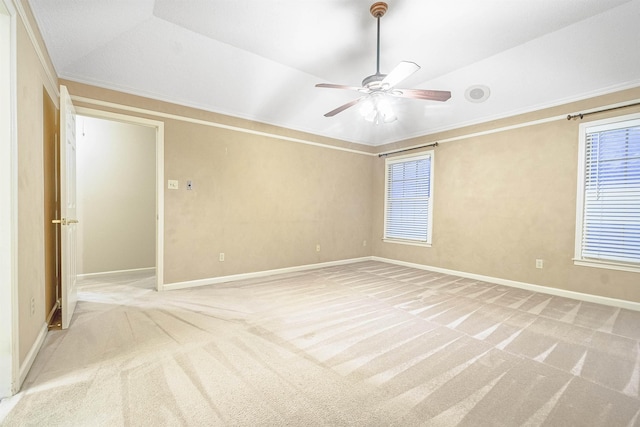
[[159, 126], [9, 357]]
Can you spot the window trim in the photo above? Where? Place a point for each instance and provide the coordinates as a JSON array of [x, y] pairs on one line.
[[584, 129], [430, 154]]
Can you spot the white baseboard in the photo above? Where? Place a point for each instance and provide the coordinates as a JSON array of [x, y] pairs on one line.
[[107, 274], [614, 302], [630, 305], [243, 276], [31, 356]]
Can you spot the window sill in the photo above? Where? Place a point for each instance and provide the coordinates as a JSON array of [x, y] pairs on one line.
[[408, 242], [607, 264]]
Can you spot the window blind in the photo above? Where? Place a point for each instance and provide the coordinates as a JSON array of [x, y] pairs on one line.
[[408, 198], [611, 215]]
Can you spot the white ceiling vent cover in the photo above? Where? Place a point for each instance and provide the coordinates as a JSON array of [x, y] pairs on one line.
[[477, 93]]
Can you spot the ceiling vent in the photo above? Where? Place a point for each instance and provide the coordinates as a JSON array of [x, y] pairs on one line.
[[477, 93]]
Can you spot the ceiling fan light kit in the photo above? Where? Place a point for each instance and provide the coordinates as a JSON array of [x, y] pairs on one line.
[[378, 110], [378, 88]]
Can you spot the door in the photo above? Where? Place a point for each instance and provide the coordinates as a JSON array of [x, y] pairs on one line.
[[68, 206]]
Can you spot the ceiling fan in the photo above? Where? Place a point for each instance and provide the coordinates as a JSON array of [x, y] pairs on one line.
[[376, 86]]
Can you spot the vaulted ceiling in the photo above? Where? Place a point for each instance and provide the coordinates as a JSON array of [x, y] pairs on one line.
[[261, 59]]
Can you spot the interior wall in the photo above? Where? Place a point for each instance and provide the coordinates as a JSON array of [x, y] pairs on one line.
[[265, 202], [505, 199], [116, 195], [31, 78]]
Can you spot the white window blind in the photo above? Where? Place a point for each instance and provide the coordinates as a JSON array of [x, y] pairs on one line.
[[408, 199], [611, 196]]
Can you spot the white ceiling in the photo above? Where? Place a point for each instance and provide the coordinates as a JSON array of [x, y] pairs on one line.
[[260, 59]]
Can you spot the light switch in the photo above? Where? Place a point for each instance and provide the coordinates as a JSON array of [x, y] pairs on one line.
[[189, 185], [172, 184]]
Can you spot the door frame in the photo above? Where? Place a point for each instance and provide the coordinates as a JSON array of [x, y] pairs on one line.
[[9, 344], [159, 127], [52, 232]]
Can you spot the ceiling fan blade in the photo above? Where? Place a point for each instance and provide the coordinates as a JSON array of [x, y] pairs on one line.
[[332, 86], [432, 95], [344, 107], [398, 74]]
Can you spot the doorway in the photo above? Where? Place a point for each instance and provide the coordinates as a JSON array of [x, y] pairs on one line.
[[51, 164], [120, 195], [116, 198]]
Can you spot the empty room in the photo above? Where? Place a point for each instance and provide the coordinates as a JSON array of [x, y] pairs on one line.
[[320, 212]]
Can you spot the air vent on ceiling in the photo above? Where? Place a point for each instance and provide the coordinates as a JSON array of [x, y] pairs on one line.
[[477, 93]]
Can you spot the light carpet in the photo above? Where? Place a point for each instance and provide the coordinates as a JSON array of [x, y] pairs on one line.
[[365, 344]]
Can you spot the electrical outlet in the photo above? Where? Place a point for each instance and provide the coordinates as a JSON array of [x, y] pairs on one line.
[[318, 248], [33, 306], [539, 263], [221, 257], [172, 184]]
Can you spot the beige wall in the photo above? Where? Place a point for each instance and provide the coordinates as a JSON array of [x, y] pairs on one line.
[[503, 200], [116, 170], [31, 77], [265, 202]]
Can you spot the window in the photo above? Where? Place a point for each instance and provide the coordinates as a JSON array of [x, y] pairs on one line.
[[408, 199], [608, 208]]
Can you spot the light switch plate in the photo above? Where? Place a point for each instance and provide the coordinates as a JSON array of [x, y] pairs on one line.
[[172, 184]]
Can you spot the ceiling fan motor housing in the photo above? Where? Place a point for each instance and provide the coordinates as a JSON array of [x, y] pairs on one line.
[[373, 82]]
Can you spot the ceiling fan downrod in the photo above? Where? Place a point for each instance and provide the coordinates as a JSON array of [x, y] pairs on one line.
[[378, 10]]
